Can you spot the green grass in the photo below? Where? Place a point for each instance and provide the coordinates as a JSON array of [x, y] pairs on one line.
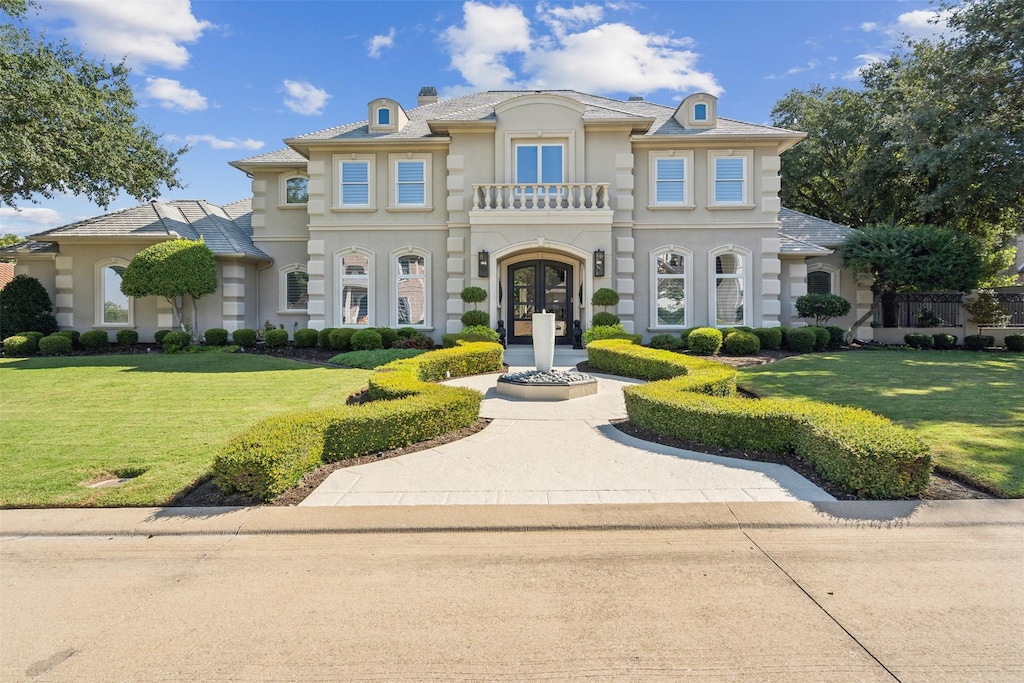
[[66, 421], [368, 360], [967, 406]]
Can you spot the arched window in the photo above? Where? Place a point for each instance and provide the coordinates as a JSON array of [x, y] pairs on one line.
[[670, 268], [113, 308], [700, 112], [411, 307], [296, 190], [294, 287], [383, 116], [729, 287], [354, 289], [819, 282]]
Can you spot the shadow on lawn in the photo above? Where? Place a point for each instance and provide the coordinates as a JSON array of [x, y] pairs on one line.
[[158, 362]]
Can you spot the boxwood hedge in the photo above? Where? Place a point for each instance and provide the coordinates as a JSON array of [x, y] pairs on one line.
[[272, 455], [861, 452]]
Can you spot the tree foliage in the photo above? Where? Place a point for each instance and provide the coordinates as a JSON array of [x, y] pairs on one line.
[[68, 124], [935, 137], [25, 307], [173, 269]]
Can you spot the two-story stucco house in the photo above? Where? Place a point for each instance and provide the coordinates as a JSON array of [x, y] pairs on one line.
[[539, 197]]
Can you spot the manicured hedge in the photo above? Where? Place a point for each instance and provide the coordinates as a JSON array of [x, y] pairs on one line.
[[801, 340], [20, 345], [55, 345], [306, 338], [979, 342], [771, 337], [705, 341], [1014, 342], [175, 341], [275, 339], [127, 337], [73, 335], [741, 343], [471, 318], [95, 339], [367, 340], [273, 455], [861, 452], [667, 342], [244, 336], [216, 336]]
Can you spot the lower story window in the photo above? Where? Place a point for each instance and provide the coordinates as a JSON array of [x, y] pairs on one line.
[[355, 290], [670, 286], [115, 309], [819, 282], [729, 290], [296, 290], [411, 290]]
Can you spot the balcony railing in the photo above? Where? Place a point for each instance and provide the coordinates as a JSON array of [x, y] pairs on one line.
[[537, 197]]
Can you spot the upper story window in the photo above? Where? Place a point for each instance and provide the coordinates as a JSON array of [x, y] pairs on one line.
[[410, 181], [354, 287], [355, 187], [671, 183], [296, 190], [540, 163], [113, 306], [383, 116], [730, 184], [700, 112]]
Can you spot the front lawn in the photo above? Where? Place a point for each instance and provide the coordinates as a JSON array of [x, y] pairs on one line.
[[967, 406], [68, 421]]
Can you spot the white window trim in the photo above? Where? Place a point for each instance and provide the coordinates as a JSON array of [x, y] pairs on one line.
[[283, 289], [283, 191], [396, 274], [748, 165], [98, 322], [746, 255], [687, 289], [707, 112], [566, 138], [371, 160], [384, 127], [827, 268], [687, 157], [338, 278], [427, 160]]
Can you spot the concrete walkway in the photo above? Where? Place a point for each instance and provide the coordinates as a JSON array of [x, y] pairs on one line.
[[558, 452]]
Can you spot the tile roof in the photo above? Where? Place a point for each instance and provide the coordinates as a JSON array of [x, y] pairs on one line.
[[29, 247], [226, 230], [805, 228]]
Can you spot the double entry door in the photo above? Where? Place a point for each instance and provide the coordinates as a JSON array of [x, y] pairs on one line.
[[535, 287]]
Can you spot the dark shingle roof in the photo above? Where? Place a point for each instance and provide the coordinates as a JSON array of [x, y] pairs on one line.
[[226, 231], [817, 231], [29, 247]]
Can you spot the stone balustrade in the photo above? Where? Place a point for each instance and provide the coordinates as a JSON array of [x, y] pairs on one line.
[[540, 197]]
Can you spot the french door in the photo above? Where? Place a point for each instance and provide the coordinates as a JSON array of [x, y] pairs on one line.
[[535, 287]]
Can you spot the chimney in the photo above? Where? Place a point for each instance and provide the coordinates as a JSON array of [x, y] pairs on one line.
[[427, 95]]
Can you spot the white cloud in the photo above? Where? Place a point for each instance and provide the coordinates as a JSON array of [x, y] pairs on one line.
[[378, 43], [173, 95], [810, 66], [305, 98], [917, 24], [145, 32], [30, 220], [609, 57], [866, 60], [220, 143]]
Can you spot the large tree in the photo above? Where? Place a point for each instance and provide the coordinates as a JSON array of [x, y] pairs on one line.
[[68, 124], [173, 270]]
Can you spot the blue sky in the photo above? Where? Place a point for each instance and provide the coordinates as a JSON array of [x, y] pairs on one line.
[[233, 78]]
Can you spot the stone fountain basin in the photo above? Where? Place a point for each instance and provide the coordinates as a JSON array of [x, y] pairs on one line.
[[551, 385]]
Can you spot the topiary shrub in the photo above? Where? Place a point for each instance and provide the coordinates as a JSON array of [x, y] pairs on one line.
[[19, 346], [366, 340], [1014, 342], [739, 343], [388, 336], [705, 341], [473, 295], [57, 344], [979, 342], [604, 297], [802, 340], [25, 307], [821, 307], [73, 335], [836, 337], [471, 318], [178, 340], [275, 339], [323, 338], [821, 337], [665, 342], [306, 338], [159, 335], [604, 319], [127, 337], [340, 339], [616, 331], [244, 337], [770, 338], [944, 341], [216, 336], [95, 339], [916, 340]]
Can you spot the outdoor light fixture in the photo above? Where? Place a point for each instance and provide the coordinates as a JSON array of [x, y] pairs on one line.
[[599, 263], [483, 262]]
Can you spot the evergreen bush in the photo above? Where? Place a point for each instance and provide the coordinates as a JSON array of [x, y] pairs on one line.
[[916, 340], [323, 338], [127, 337], [74, 335], [366, 340], [979, 342], [802, 340], [275, 339], [770, 338], [20, 345], [159, 335], [472, 318], [341, 339], [944, 341], [95, 339], [56, 345], [25, 307], [705, 341], [177, 341], [1014, 342], [306, 338], [216, 336], [388, 336], [616, 331], [604, 319], [665, 342], [739, 343], [244, 337]]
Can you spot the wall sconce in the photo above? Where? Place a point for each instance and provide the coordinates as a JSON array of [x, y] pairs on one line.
[[599, 263], [483, 264]]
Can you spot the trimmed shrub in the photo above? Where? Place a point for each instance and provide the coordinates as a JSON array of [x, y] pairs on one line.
[[417, 341], [666, 342], [127, 337], [916, 340], [366, 340], [473, 295], [616, 331], [770, 338], [476, 333], [944, 341], [705, 341], [323, 338], [306, 338], [684, 336], [275, 339], [603, 319], [388, 336], [58, 344], [407, 332], [471, 318], [836, 337], [785, 336], [73, 335], [802, 340], [244, 337], [1014, 342], [821, 337], [340, 339], [604, 297], [159, 335], [20, 345], [178, 340], [741, 344], [979, 342], [370, 360], [25, 307], [620, 357], [216, 336], [821, 307], [95, 339]]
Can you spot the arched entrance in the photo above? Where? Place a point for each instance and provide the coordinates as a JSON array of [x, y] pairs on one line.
[[535, 286]]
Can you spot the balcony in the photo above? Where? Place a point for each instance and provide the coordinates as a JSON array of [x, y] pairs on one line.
[[551, 198]]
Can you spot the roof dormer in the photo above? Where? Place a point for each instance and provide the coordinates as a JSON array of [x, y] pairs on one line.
[[386, 116], [699, 110]]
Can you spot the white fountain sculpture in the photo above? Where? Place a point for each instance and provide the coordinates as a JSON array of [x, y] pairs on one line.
[[545, 383]]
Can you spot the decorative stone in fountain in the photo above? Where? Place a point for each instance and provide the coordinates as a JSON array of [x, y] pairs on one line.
[[545, 383]]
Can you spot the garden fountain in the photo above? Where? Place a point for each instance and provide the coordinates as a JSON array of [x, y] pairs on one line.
[[545, 383]]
